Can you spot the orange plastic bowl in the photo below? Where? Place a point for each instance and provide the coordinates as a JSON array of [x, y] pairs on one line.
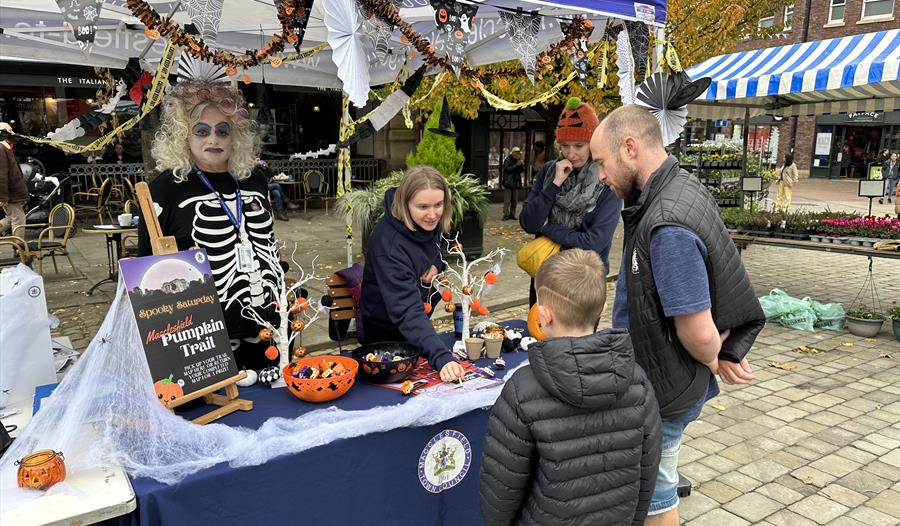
[[320, 389]]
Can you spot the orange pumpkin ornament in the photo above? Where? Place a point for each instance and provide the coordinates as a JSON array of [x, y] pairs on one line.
[[265, 333], [152, 34], [447, 296], [272, 352], [231, 71], [167, 390], [449, 307], [534, 323], [246, 79], [297, 353], [467, 290], [276, 62], [297, 325], [303, 304], [428, 308], [490, 278], [41, 469]]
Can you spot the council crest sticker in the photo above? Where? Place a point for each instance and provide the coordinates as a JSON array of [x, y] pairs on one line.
[[444, 461]]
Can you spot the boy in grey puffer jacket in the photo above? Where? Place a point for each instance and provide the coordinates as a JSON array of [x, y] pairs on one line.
[[574, 438]]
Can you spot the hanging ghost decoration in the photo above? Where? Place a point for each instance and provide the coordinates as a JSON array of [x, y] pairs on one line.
[[456, 21], [523, 29], [81, 17], [578, 54]]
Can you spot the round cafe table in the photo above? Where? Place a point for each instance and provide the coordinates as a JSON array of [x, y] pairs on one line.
[[113, 235]]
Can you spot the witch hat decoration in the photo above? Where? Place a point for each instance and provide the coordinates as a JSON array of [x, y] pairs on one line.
[[445, 126], [686, 90]]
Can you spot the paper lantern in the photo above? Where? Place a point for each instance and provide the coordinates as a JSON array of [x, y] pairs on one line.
[[41, 469]]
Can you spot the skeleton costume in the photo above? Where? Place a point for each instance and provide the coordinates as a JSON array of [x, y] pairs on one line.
[[193, 214]]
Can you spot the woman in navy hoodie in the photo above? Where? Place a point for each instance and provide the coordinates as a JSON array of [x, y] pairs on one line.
[[403, 256], [567, 202]]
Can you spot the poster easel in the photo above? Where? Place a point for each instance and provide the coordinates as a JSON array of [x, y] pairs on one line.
[[228, 403]]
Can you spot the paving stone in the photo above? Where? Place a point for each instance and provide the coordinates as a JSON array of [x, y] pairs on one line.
[[753, 506], [827, 418], [698, 472], [819, 509], [842, 495], [788, 518], [872, 517], [739, 481], [835, 465], [888, 501], [856, 455], [892, 458], [740, 412], [883, 470], [824, 400], [740, 453], [781, 493], [803, 405], [865, 482], [837, 436], [724, 437], [794, 394], [718, 517], [747, 430], [813, 476], [883, 440], [699, 428], [718, 491], [688, 454], [788, 435], [694, 506], [775, 385], [845, 521], [861, 404], [706, 445], [761, 405], [803, 452], [801, 487], [764, 470], [869, 447], [788, 459]]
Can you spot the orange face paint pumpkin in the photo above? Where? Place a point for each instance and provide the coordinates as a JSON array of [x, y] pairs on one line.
[[167, 390]]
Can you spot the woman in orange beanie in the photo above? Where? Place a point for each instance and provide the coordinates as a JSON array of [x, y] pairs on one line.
[[568, 203]]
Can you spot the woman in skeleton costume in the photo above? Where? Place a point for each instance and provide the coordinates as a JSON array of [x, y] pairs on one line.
[[209, 196], [403, 256]]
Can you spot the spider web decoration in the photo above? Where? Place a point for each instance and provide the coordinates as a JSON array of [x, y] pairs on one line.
[[190, 68], [579, 53], [455, 20], [80, 16], [639, 38], [523, 29], [380, 38], [206, 15]]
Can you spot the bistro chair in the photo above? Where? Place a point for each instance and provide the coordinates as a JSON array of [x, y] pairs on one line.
[[19, 251], [130, 240], [342, 311], [96, 202], [53, 239], [315, 187]]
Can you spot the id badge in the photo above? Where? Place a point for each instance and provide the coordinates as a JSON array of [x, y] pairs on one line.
[[244, 257]]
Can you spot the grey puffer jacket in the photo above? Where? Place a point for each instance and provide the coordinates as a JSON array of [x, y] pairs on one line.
[[574, 438]]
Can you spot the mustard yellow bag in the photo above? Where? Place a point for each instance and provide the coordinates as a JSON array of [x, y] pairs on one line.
[[534, 253]]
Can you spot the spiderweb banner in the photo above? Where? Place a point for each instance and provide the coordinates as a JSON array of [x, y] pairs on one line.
[[206, 15], [523, 29]]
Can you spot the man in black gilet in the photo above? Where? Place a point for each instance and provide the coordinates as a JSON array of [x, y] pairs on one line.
[[683, 292]]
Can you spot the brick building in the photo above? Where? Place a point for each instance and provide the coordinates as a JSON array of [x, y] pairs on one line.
[[855, 139]]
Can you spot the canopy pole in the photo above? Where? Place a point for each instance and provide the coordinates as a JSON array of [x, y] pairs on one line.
[[150, 43], [746, 138]]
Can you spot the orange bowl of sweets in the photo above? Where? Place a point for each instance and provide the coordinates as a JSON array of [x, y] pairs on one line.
[[320, 378]]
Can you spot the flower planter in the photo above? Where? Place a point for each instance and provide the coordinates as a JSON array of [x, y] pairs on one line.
[[895, 324], [863, 327]]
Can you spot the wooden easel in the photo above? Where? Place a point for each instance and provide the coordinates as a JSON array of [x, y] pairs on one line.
[[228, 403]]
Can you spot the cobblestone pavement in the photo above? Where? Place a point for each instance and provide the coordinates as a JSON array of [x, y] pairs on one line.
[[816, 441]]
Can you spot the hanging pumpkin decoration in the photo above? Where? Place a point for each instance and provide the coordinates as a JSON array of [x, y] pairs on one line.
[[449, 307], [167, 390], [428, 308], [265, 333], [302, 303], [444, 280], [467, 290], [447, 296], [476, 303], [534, 323], [152, 34], [246, 79], [490, 278], [297, 325], [276, 62], [297, 353], [482, 310], [41, 469], [272, 352], [231, 71]]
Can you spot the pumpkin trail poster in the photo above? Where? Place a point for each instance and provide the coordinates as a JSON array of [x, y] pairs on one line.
[[180, 321]]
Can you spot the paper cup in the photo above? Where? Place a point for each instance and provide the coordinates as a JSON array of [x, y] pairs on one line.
[[492, 347], [473, 348], [125, 219]]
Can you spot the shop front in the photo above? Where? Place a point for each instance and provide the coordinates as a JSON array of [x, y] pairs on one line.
[[845, 145]]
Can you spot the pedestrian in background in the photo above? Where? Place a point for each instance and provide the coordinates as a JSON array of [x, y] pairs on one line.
[[513, 169], [891, 174], [787, 178], [13, 191]]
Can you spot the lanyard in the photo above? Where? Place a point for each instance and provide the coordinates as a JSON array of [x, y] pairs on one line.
[[238, 205]]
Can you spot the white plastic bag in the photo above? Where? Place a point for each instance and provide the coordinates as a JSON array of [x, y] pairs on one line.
[[26, 354]]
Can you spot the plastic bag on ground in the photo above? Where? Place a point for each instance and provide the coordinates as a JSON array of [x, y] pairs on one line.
[[803, 314]]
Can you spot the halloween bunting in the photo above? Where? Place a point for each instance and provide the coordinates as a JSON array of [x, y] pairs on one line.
[[523, 29], [578, 55], [81, 17], [456, 20]]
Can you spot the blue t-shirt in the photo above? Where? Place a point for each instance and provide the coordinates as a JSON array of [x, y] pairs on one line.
[[678, 259]]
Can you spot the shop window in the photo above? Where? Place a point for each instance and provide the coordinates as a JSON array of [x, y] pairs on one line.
[[506, 131], [789, 17], [837, 11], [877, 8]]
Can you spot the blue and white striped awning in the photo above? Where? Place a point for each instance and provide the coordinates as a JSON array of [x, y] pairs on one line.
[[839, 75]]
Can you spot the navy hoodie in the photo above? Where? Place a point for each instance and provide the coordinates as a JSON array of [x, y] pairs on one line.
[[393, 299], [596, 229]]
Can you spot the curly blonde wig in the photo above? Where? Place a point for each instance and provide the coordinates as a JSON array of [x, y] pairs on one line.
[[182, 107]]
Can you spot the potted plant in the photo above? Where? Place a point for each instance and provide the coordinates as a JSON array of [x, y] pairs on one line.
[[865, 322], [894, 314]]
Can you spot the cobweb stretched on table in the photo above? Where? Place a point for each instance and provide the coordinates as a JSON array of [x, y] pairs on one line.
[[106, 413]]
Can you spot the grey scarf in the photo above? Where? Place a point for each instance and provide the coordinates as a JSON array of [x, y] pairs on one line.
[[577, 196]]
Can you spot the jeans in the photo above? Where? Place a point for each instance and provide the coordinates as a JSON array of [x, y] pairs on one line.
[[279, 200], [891, 187], [665, 494]]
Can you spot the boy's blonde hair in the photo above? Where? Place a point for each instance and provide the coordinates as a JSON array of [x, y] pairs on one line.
[[572, 283], [415, 179]]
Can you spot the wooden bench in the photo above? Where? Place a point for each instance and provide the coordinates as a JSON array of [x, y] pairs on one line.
[[343, 310]]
